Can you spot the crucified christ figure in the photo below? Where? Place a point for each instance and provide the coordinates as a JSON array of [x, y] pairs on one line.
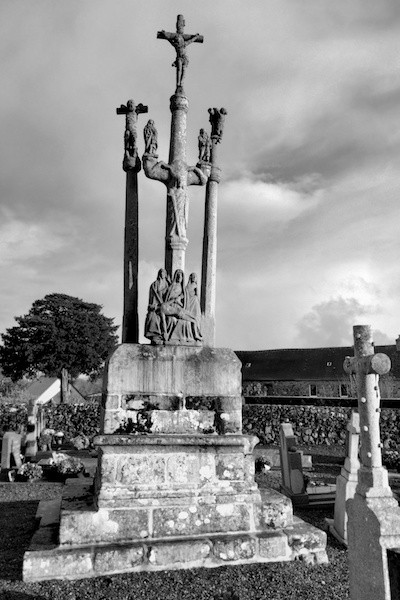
[[179, 41]]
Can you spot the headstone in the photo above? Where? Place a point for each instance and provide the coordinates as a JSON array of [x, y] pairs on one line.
[[373, 526], [293, 480], [291, 465], [31, 431], [346, 482], [11, 450]]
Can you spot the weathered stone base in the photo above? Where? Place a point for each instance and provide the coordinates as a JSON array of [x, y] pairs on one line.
[[174, 486], [46, 559]]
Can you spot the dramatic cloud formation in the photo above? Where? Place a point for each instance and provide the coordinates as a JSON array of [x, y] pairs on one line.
[[330, 323], [309, 201]]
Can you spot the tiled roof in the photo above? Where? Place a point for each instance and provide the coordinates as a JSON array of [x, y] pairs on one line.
[[300, 364], [36, 388]]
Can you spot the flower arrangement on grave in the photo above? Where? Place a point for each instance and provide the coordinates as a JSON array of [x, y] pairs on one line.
[[80, 442], [70, 466], [45, 439], [30, 472]]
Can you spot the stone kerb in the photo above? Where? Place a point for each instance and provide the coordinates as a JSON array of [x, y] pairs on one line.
[[172, 389]]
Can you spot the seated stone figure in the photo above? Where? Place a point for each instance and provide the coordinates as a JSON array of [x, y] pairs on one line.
[[158, 290], [174, 315]]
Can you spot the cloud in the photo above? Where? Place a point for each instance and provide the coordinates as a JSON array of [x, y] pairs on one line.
[[26, 241], [330, 323]]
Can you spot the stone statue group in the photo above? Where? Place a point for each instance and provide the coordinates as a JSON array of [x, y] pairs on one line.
[[173, 314]]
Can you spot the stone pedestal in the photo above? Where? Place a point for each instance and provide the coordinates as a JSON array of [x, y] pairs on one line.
[[175, 485]]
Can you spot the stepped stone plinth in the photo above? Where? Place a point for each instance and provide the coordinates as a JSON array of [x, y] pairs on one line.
[[178, 490]]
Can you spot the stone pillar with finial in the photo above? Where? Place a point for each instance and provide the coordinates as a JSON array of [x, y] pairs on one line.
[[209, 257], [131, 165]]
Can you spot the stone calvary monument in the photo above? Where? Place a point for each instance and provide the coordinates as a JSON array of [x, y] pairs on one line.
[[174, 486]]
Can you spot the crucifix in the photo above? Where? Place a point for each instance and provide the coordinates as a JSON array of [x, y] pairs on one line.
[[131, 165], [180, 41], [176, 175], [131, 112]]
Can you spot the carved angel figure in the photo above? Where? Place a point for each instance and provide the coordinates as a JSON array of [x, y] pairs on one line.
[[217, 120]]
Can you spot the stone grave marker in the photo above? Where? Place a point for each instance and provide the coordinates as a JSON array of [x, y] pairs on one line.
[[373, 527], [31, 431], [346, 482], [11, 450], [291, 466], [293, 482]]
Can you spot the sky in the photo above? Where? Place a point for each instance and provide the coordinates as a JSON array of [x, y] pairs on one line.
[[309, 201]]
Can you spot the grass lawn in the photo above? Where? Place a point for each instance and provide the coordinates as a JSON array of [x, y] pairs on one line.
[[294, 580]]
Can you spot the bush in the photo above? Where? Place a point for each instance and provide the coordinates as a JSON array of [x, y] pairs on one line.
[[74, 419]]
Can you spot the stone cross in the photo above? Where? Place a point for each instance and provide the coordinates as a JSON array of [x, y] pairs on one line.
[[176, 174], [367, 366], [373, 525], [179, 41], [131, 165]]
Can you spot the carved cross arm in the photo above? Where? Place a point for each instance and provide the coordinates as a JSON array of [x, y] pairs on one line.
[[374, 363], [155, 170], [196, 176]]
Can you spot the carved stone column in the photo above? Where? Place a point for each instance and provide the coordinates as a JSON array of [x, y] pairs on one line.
[[209, 258], [130, 322], [175, 246]]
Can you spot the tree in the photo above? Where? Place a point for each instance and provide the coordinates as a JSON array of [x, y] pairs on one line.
[[59, 332]]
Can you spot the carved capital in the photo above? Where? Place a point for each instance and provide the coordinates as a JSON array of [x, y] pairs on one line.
[[205, 167], [179, 102], [177, 242], [215, 174], [131, 163]]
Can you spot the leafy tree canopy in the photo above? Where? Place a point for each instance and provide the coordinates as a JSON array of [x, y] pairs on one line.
[[58, 332]]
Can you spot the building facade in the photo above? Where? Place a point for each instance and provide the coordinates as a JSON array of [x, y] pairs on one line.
[[307, 375]]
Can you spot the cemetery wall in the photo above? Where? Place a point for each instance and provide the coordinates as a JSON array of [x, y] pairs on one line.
[[313, 425]]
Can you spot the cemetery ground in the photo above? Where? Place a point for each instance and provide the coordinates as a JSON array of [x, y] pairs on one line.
[[19, 501]]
